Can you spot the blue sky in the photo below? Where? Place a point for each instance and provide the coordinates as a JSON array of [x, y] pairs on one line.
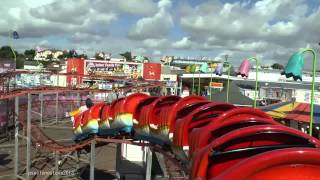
[[269, 29]]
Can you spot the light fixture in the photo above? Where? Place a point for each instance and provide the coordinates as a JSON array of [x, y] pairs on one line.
[[294, 69]]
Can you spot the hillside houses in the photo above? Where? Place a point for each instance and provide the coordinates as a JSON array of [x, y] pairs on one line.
[[47, 55]]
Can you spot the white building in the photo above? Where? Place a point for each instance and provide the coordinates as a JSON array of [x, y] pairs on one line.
[[271, 85], [44, 55]]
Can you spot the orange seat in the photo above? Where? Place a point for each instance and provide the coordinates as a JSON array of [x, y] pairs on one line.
[[290, 163], [232, 148], [157, 106], [105, 112], [168, 119], [116, 108], [139, 114], [131, 102], [149, 115], [227, 122], [77, 120], [122, 116], [95, 111], [85, 118], [199, 117]]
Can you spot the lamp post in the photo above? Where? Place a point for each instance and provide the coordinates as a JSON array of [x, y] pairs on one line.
[[15, 35], [210, 85], [244, 70], [10, 45], [294, 69], [193, 70], [228, 82]]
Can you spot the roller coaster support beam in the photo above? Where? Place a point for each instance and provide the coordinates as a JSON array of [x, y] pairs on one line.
[[56, 169], [78, 99], [92, 159], [149, 164], [57, 98], [180, 87], [16, 136], [41, 108], [28, 137]]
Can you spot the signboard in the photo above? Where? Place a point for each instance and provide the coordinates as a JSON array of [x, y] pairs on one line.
[[134, 70], [216, 85], [7, 66], [74, 66], [151, 71]]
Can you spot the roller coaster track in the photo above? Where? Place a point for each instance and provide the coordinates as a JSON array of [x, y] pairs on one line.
[[40, 139], [12, 74], [211, 136], [7, 94], [52, 89]]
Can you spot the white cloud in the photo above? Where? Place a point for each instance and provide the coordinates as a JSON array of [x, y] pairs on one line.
[[184, 43], [140, 51], [272, 28], [44, 42], [80, 37], [261, 27], [164, 4], [156, 53], [134, 7], [154, 43], [251, 46], [156, 26]]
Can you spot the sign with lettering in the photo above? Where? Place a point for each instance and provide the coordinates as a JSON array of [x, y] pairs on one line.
[[216, 85], [133, 70]]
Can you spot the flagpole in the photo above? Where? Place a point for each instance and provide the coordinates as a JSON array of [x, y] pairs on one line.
[[11, 47], [192, 83], [210, 85], [199, 84]]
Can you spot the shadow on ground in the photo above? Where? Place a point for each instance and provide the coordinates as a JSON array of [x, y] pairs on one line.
[[98, 174], [3, 159]]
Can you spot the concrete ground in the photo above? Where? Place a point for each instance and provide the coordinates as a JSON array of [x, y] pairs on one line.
[[104, 167]]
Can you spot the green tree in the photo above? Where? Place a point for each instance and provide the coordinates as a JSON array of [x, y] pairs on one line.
[[84, 56], [98, 57], [20, 61], [45, 64], [30, 54], [50, 57], [277, 66], [61, 57], [127, 55], [6, 52]]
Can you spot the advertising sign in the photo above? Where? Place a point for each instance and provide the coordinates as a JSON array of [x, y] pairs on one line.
[[134, 70], [216, 85], [151, 71], [74, 66], [7, 66]]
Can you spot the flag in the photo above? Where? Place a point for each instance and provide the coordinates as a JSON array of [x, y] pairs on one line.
[[74, 53], [15, 35]]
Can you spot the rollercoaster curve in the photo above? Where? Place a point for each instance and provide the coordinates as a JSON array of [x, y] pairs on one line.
[[207, 140], [217, 138]]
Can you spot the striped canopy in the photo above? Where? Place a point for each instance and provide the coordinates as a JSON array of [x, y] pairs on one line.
[[293, 111]]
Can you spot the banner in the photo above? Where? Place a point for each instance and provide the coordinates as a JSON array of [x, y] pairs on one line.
[[216, 85], [152, 71], [134, 70]]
